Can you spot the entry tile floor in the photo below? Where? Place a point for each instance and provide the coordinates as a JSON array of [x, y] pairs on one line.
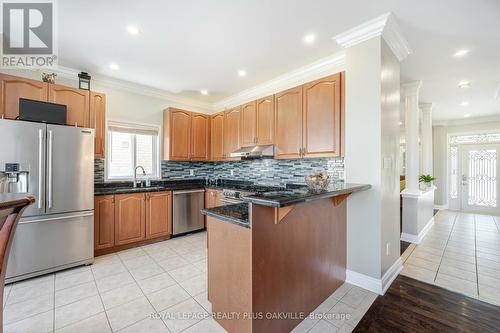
[[160, 287], [461, 252]]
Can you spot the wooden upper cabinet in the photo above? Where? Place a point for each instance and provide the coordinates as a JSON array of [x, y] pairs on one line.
[[76, 100], [98, 121], [248, 130], [265, 120], [180, 135], [13, 88], [200, 137], [321, 117], [130, 214], [104, 221], [217, 136], [288, 123], [158, 214], [231, 131]]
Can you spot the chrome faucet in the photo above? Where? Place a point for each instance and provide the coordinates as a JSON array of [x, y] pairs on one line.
[[135, 173]]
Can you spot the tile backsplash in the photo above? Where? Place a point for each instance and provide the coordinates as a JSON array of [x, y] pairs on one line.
[[260, 170]]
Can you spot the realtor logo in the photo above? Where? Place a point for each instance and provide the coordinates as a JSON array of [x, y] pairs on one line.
[[28, 34]]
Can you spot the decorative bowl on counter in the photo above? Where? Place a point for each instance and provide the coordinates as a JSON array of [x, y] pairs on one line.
[[317, 181]]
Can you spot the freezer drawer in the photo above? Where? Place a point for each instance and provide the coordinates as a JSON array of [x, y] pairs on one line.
[[49, 243], [187, 206]]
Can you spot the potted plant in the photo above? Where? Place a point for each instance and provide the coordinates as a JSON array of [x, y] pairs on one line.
[[425, 182]]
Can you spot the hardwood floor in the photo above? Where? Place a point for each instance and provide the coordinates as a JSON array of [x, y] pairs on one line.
[[413, 306]]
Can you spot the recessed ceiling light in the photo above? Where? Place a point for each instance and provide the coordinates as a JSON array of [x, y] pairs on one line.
[[114, 66], [133, 30], [204, 92], [464, 84], [400, 123], [461, 53], [467, 115], [464, 103], [242, 73], [309, 39]]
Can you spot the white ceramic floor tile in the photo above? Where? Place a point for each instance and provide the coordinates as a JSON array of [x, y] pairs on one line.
[[156, 283], [165, 298], [131, 253], [202, 299], [40, 323], [172, 263], [354, 297], [31, 291], [129, 313], [148, 325], [114, 281], [324, 327], [340, 314], [108, 269], [184, 273], [71, 280], [76, 293], [183, 315], [21, 310], [205, 326], [146, 271], [121, 295], [95, 324], [456, 284], [196, 284], [77, 311]]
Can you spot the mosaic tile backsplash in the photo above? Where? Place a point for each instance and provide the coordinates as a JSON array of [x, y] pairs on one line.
[[262, 170]]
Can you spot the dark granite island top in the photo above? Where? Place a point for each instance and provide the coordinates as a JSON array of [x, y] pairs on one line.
[[303, 194], [237, 214]]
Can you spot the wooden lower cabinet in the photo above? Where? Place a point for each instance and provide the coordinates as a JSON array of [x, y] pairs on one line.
[[104, 221], [130, 214], [213, 198], [158, 214], [125, 220]]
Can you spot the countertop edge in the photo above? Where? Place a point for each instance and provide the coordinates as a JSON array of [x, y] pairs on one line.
[[225, 218], [312, 197]]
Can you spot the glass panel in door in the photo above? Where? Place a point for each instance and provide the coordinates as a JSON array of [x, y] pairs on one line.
[[480, 170]]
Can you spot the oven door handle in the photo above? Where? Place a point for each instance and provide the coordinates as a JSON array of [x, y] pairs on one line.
[[231, 201]]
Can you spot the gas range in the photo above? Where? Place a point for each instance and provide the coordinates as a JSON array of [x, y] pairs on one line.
[[235, 196]]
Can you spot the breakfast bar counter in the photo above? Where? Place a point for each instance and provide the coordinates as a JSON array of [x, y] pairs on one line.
[[270, 274]]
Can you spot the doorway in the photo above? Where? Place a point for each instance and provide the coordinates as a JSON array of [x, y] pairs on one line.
[[479, 172]]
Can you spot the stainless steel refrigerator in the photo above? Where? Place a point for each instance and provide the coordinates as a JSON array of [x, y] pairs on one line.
[[55, 164]]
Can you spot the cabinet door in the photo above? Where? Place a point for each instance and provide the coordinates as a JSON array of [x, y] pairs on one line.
[[321, 117], [104, 221], [231, 131], [158, 214], [265, 121], [180, 135], [98, 121], [288, 123], [212, 198], [76, 100], [13, 88], [217, 133], [130, 223], [248, 130], [200, 137]]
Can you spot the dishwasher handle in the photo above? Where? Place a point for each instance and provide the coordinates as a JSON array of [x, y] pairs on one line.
[[189, 191]]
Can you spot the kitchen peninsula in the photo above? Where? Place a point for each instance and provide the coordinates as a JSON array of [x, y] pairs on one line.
[[274, 258]]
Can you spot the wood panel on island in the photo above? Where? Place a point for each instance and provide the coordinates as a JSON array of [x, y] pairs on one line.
[[127, 220], [186, 135], [84, 108]]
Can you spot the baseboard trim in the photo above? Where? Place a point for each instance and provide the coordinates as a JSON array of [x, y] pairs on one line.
[[440, 207], [417, 239], [378, 286]]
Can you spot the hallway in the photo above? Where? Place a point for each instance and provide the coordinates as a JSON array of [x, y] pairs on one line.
[[461, 252]]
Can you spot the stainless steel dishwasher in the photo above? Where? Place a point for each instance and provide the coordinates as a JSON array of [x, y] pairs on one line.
[[187, 206]]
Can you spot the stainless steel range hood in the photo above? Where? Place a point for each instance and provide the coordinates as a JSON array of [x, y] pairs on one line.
[[254, 152]]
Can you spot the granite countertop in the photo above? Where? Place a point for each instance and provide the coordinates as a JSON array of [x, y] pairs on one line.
[[179, 185], [237, 214], [303, 194]]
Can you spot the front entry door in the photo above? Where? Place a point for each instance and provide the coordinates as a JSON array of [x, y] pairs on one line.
[[480, 171]]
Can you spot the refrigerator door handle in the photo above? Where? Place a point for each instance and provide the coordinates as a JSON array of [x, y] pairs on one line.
[[40, 169], [49, 171]]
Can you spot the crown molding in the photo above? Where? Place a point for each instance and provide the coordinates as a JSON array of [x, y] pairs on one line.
[[385, 26], [426, 107], [323, 67], [467, 121], [72, 74]]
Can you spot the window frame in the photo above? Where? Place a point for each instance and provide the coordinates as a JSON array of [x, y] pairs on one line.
[[156, 172]]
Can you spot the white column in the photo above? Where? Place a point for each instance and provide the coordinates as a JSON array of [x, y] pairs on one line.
[[426, 139], [409, 93]]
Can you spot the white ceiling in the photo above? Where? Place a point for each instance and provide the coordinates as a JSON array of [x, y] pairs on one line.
[[189, 45]]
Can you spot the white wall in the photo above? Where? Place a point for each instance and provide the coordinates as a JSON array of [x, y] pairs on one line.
[[372, 135], [440, 151]]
